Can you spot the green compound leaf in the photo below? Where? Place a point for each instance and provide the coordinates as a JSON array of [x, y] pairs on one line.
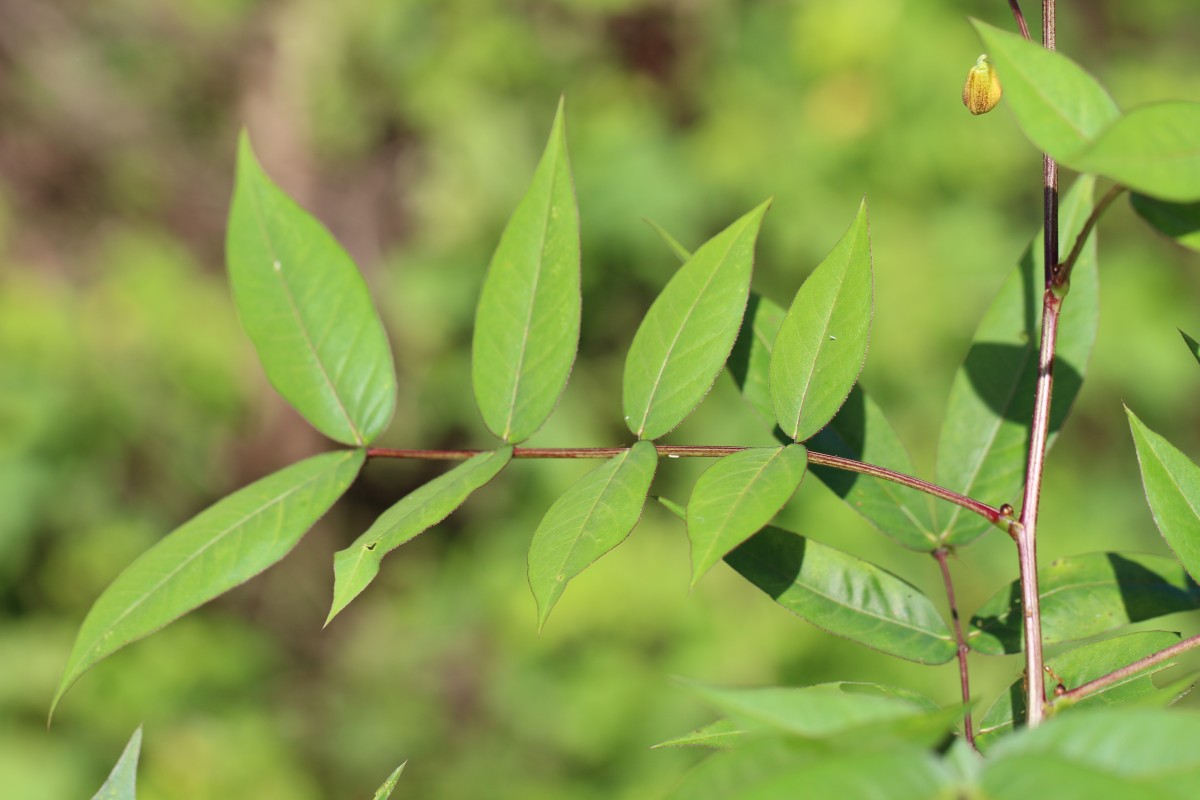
[[1154, 150], [355, 567], [1076, 668], [385, 791], [1179, 221], [306, 308], [985, 434], [858, 431], [822, 342], [594, 516], [527, 322], [719, 735], [1083, 596], [687, 334], [1172, 484], [220, 548], [737, 496], [122, 781], [1059, 106], [845, 595], [1099, 754], [1193, 345]]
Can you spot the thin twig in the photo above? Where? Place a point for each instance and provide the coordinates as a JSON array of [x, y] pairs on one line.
[[1016, 9], [1103, 682], [989, 513], [964, 678], [1062, 272], [1026, 529]]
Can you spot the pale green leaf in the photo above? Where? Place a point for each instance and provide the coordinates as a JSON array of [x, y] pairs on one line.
[[781, 769], [594, 516], [816, 712], [385, 791], [1172, 484], [223, 546], [356, 566], [985, 433], [527, 323], [737, 496], [681, 252], [718, 735], [306, 308], [1083, 596], [822, 343], [1077, 667], [1153, 149], [685, 337], [845, 595], [1059, 106], [122, 781], [1099, 754], [1179, 221]]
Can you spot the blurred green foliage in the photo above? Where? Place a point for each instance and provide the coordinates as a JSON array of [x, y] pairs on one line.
[[129, 398]]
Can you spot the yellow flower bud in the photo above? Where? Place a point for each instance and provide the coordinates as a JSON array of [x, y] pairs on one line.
[[982, 90]]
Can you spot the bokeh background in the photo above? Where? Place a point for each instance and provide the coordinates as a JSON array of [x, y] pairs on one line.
[[129, 398]]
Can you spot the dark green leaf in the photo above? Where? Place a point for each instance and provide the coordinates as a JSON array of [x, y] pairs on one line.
[[861, 432], [1077, 667], [307, 310], [1060, 108], [1172, 483], [1099, 754], [355, 567], [527, 322], [122, 781], [385, 791], [1084, 596], [719, 735], [1154, 150], [822, 342], [737, 496], [858, 431], [687, 334], [750, 361], [985, 434], [845, 595], [223, 546], [1192, 345], [594, 516], [1180, 221]]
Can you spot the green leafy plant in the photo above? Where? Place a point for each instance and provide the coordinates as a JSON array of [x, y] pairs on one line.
[[323, 347]]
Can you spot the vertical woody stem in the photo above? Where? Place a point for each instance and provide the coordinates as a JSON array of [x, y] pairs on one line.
[[1026, 530]]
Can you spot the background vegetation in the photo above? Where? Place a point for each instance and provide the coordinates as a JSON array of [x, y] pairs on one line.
[[129, 399]]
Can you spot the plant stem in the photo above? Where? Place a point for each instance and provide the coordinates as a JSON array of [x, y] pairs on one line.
[[1016, 9], [1103, 682], [1026, 529], [964, 678], [989, 513], [1062, 271]]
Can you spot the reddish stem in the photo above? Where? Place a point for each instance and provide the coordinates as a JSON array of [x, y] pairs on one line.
[[964, 678], [989, 513]]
